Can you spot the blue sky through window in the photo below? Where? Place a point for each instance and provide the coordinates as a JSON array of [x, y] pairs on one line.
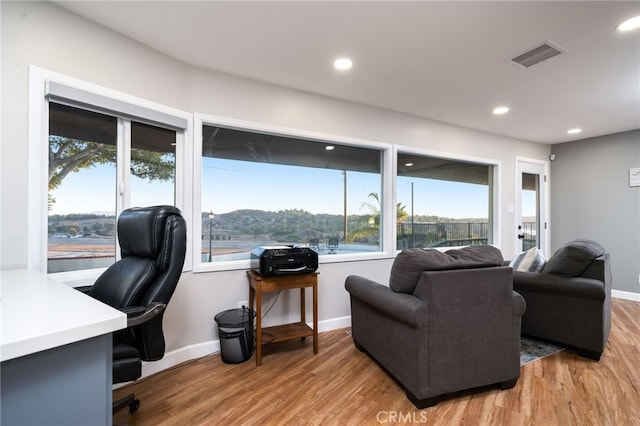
[[229, 185]]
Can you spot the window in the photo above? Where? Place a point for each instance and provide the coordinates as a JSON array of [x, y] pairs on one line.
[[443, 202], [153, 165], [269, 189], [82, 189], [85, 154], [93, 153]]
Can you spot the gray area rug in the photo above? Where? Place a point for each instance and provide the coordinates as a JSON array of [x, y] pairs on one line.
[[530, 349], [533, 350]]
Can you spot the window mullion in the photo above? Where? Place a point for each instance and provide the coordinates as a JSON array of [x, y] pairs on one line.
[[123, 167], [123, 164]]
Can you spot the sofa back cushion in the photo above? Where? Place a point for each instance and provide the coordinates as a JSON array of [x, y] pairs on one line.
[[573, 258], [410, 263]]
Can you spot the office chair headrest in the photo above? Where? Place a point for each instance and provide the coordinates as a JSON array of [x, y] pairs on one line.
[[133, 230]]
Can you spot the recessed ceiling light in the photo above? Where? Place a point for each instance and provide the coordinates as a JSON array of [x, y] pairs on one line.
[[574, 131], [501, 110], [343, 64], [408, 164], [630, 24], [329, 147]]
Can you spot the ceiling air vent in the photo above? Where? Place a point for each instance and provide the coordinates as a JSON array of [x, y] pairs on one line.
[[536, 55]]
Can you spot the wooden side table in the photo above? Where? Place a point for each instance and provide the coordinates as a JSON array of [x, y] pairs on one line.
[[259, 284]]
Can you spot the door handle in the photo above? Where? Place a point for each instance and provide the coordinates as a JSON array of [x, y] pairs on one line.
[[521, 236]]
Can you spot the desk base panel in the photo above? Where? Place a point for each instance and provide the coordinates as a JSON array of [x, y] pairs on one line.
[[67, 385]]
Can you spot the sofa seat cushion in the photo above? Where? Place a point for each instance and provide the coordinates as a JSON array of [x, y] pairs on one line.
[[531, 260], [572, 259], [410, 263]]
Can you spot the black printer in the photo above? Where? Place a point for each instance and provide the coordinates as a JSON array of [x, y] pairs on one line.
[[283, 260]]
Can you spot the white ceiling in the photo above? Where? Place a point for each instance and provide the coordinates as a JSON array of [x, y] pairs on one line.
[[440, 60]]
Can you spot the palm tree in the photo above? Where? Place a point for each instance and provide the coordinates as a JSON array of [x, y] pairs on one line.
[[371, 227]]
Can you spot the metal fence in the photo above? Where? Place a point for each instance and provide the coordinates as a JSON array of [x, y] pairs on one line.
[[529, 230], [450, 234], [440, 234]]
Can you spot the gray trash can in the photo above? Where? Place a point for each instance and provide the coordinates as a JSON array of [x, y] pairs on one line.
[[235, 328]]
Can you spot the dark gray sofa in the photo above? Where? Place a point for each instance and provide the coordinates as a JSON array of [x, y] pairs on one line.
[[569, 302], [446, 322]]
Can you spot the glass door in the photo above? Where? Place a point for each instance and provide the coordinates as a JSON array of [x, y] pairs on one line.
[[529, 211], [531, 222]]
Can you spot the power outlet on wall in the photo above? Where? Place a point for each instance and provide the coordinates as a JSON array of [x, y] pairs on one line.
[[243, 303]]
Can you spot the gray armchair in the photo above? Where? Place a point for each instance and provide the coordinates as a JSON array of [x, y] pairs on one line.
[[569, 302], [446, 322]]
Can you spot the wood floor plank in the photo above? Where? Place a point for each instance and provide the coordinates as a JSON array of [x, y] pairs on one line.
[[343, 386]]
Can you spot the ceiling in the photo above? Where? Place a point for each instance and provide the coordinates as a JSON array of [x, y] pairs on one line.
[[446, 61]]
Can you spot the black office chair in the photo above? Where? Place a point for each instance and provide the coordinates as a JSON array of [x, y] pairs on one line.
[[314, 244], [153, 244], [333, 245]]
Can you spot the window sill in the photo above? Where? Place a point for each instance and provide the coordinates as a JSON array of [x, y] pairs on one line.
[[322, 260]]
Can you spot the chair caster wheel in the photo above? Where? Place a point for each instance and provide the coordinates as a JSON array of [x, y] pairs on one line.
[[133, 407]]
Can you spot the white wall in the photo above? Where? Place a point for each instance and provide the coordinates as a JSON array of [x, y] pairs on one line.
[[44, 35]]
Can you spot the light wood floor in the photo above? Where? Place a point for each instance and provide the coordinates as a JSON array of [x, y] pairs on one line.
[[341, 385]]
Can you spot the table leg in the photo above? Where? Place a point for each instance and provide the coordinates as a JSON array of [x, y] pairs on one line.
[[258, 326], [302, 308], [315, 317]]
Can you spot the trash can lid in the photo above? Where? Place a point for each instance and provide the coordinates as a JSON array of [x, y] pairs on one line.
[[235, 317]]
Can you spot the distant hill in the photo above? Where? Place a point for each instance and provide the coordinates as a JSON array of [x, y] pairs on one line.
[[283, 225], [81, 224]]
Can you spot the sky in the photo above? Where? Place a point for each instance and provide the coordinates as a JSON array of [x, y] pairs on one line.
[[322, 191], [93, 190], [231, 185]]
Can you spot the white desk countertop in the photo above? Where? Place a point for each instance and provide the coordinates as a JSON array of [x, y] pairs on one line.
[[39, 313]]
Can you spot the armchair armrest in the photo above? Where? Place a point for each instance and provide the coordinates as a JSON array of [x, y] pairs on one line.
[[404, 307], [586, 288], [137, 315], [519, 304]]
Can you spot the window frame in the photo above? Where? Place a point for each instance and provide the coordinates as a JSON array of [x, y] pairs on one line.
[[40, 82], [494, 194], [386, 174]]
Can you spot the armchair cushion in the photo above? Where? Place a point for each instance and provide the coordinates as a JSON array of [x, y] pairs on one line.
[[573, 258], [410, 263]]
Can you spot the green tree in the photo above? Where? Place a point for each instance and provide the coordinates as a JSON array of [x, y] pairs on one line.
[[68, 155], [374, 209], [371, 227]]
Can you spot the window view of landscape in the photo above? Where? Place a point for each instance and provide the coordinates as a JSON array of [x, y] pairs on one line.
[[256, 189], [442, 202], [83, 160], [260, 189]]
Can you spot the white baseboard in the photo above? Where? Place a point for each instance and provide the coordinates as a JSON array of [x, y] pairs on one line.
[[181, 355], [334, 324], [625, 295], [199, 350]]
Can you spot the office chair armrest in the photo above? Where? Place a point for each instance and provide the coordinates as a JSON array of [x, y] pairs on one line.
[[133, 311], [138, 315], [84, 289]]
